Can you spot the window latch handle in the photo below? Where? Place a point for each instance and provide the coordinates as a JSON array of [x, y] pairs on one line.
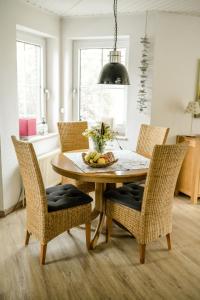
[[74, 91]]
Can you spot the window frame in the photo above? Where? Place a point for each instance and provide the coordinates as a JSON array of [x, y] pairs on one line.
[[78, 45], [32, 39]]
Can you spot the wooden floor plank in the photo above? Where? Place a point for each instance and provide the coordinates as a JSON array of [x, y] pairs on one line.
[[111, 271]]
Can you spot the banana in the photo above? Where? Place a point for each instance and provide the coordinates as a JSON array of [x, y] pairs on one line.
[[87, 157], [92, 154], [97, 156]]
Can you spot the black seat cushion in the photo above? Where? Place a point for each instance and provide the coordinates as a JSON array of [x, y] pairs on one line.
[[129, 195], [65, 196]]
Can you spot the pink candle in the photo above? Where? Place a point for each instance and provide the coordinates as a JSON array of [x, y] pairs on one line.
[[27, 127]]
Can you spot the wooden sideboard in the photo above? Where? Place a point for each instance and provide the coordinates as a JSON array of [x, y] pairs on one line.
[[189, 177]]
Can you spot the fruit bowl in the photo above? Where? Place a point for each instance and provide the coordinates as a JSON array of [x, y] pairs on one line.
[[98, 160]]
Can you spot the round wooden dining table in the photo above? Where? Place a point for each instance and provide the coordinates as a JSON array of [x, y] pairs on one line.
[[103, 180]]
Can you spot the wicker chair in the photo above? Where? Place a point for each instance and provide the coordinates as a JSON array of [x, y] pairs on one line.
[[150, 136], [147, 212], [71, 139], [45, 220]]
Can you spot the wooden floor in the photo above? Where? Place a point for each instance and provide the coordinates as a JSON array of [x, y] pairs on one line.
[[109, 272]]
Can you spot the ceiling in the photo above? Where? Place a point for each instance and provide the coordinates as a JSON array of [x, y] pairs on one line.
[[65, 8]]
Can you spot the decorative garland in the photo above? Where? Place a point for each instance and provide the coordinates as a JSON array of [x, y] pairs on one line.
[[144, 65]]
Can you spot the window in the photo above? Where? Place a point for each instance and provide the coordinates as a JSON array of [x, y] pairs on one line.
[[99, 102], [30, 80]]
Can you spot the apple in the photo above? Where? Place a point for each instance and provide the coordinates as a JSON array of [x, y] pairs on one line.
[[101, 161]]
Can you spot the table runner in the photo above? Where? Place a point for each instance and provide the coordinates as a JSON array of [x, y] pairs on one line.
[[127, 161]]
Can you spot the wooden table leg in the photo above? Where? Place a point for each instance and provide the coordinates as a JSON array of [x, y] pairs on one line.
[[98, 230], [98, 210], [95, 214]]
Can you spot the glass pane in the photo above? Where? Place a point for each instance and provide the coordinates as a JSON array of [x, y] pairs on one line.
[[98, 102], [29, 80], [90, 66], [106, 55]]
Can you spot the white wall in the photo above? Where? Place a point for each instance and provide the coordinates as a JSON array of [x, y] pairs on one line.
[[177, 51], [100, 27], [13, 13]]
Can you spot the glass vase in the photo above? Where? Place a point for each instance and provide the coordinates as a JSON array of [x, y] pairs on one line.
[[99, 146]]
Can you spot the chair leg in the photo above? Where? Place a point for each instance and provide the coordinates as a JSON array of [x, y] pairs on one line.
[[169, 241], [142, 253], [27, 237], [108, 228], [88, 235], [43, 249]]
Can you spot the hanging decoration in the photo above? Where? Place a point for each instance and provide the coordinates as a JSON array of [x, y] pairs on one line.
[[144, 68]]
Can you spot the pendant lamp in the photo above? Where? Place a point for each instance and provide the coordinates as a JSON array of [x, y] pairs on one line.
[[114, 72]]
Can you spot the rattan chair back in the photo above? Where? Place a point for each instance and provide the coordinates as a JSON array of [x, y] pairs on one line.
[[71, 137], [159, 188], [150, 136], [31, 177]]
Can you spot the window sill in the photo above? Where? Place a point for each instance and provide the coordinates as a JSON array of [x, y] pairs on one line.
[[37, 138]]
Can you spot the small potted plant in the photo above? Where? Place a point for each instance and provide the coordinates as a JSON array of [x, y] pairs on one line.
[[100, 135]]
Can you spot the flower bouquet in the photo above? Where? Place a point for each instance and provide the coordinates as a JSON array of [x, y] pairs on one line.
[[100, 135]]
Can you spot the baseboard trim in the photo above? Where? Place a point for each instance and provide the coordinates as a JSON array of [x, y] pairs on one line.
[[4, 213]]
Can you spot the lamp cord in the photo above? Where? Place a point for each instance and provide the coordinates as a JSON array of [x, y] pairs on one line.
[[146, 20], [116, 28]]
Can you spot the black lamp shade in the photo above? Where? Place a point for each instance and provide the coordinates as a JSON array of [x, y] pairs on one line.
[[114, 73]]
